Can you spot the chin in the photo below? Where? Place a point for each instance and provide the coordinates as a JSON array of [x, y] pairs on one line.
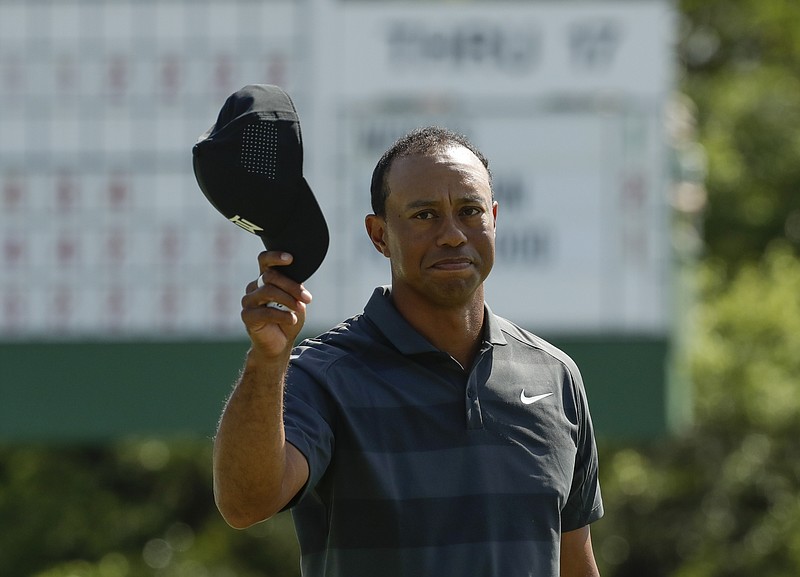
[[453, 293]]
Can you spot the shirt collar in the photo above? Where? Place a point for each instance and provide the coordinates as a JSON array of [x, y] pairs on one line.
[[388, 320]]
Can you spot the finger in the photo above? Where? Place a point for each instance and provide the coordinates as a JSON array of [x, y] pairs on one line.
[[267, 319], [269, 275], [256, 297], [271, 284], [267, 259], [272, 280], [272, 304], [272, 312], [274, 290]]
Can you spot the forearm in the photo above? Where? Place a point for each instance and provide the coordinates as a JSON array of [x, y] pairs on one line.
[[256, 472], [250, 451]]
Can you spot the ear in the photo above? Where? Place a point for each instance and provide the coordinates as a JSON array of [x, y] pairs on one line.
[[494, 216], [376, 229]]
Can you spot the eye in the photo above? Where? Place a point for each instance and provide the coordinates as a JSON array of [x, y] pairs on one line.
[[424, 215], [471, 211]]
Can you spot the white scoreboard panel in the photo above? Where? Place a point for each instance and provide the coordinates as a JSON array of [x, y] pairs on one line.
[[581, 233], [103, 230], [566, 100], [105, 234]]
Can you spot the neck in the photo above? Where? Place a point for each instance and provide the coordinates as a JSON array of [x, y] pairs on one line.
[[456, 330]]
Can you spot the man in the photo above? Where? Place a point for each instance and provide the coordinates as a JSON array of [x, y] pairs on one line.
[[426, 436]]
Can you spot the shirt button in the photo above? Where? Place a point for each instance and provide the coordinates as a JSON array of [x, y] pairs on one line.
[[470, 393]]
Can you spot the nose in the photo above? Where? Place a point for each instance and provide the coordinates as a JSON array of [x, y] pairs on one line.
[[450, 232]]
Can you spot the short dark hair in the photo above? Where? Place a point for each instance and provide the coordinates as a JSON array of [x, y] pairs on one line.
[[419, 141]]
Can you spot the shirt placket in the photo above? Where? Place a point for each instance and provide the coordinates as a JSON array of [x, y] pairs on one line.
[[474, 380]]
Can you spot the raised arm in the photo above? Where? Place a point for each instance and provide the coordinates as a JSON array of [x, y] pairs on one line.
[[256, 472]]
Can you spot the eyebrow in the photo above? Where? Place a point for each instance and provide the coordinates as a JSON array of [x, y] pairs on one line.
[[466, 199]]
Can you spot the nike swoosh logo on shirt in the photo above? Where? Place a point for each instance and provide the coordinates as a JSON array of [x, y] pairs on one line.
[[530, 400]]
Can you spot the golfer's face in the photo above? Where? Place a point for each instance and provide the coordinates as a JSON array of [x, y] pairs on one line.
[[440, 225]]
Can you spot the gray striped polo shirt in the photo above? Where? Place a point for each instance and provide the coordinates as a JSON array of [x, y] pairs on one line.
[[419, 468]]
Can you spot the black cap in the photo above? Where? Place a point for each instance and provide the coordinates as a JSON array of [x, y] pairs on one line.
[[250, 167]]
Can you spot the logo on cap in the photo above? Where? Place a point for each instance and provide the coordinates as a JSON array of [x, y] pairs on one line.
[[245, 224]]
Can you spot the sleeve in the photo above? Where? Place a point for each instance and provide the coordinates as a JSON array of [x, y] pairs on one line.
[[584, 504], [307, 419]]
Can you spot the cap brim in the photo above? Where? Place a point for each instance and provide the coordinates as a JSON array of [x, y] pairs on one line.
[[305, 235]]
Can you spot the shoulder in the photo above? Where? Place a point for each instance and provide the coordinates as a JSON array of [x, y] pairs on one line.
[[523, 341], [351, 338]]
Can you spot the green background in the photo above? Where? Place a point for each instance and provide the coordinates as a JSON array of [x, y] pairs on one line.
[[79, 391]]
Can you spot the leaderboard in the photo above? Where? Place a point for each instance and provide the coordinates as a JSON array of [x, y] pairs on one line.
[[103, 230]]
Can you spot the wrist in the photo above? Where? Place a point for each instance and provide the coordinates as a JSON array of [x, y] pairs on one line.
[[258, 357]]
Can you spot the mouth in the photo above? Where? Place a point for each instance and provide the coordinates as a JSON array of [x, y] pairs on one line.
[[452, 264]]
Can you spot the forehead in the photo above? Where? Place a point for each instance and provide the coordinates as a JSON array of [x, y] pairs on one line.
[[448, 170]]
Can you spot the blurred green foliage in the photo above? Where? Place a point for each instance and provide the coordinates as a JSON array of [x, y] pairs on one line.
[[740, 65], [131, 509], [723, 499]]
